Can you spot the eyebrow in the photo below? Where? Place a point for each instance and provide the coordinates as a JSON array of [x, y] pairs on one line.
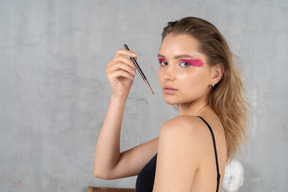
[[177, 56]]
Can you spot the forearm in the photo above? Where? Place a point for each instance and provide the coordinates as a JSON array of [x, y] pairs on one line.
[[108, 145]]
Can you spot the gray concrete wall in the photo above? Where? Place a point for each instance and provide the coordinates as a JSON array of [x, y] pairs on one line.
[[54, 93]]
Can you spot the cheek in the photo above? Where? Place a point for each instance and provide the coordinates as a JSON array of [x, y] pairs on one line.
[[161, 74], [189, 79], [183, 75], [193, 83]]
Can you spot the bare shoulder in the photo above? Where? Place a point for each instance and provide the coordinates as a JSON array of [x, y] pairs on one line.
[[187, 133], [192, 134], [184, 126], [182, 146], [185, 153]]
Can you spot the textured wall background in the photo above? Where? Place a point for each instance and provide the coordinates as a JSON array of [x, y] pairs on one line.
[[54, 93]]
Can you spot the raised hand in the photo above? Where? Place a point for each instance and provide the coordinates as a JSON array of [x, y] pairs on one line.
[[120, 72]]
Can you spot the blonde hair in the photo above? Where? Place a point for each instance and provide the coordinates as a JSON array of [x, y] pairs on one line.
[[226, 97]]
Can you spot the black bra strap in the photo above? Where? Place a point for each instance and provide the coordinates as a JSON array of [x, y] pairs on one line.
[[216, 157]]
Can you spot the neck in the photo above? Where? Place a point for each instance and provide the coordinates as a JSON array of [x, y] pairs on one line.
[[192, 109]]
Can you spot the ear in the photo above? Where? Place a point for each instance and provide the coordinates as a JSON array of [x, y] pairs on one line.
[[217, 73]]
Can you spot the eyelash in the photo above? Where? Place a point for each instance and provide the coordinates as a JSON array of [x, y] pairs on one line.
[[187, 64], [161, 62]]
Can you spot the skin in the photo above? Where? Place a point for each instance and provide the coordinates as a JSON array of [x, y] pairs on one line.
[[192, 168]]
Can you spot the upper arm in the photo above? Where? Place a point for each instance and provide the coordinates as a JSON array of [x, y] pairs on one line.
[[133, 160], [179, 153]]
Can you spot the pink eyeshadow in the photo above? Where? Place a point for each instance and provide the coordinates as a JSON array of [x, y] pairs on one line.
[[194, 62]]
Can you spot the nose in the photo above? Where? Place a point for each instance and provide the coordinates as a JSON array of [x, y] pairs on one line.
[[169, 74]]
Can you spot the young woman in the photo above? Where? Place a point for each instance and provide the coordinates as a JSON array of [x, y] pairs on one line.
[[196, 73]]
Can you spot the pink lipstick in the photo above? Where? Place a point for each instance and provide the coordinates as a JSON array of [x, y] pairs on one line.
[[169, 90]]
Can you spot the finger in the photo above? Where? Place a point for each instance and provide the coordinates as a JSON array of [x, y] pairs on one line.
[[122, 66], [116, 74], [125, 53], [127, 61], [123, 59]]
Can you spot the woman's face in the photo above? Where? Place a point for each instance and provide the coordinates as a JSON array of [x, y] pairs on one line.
[[183, 72]]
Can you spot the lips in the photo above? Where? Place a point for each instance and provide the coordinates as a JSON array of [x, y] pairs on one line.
[[169, 90]]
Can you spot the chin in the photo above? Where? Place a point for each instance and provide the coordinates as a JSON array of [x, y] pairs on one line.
[[171, 101], [176, 101]]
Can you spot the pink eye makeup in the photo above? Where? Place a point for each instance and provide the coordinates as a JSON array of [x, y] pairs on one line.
[[161, 61], [193, 62], [184, 62]]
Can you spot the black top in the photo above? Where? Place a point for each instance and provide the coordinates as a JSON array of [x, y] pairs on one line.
[[145, 179]]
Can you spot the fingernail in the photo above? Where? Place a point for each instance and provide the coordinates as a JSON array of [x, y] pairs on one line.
[[133, 54]]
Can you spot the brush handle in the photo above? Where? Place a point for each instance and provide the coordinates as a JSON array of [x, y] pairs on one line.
[[136, 64]]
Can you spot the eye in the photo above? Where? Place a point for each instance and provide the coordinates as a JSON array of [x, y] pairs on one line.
[[162, 62], [185, 63]]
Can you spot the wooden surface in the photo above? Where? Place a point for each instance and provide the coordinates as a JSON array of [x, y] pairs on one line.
[[105, 189]]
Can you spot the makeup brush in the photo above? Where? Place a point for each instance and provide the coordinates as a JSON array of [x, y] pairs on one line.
[[139, 69]]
